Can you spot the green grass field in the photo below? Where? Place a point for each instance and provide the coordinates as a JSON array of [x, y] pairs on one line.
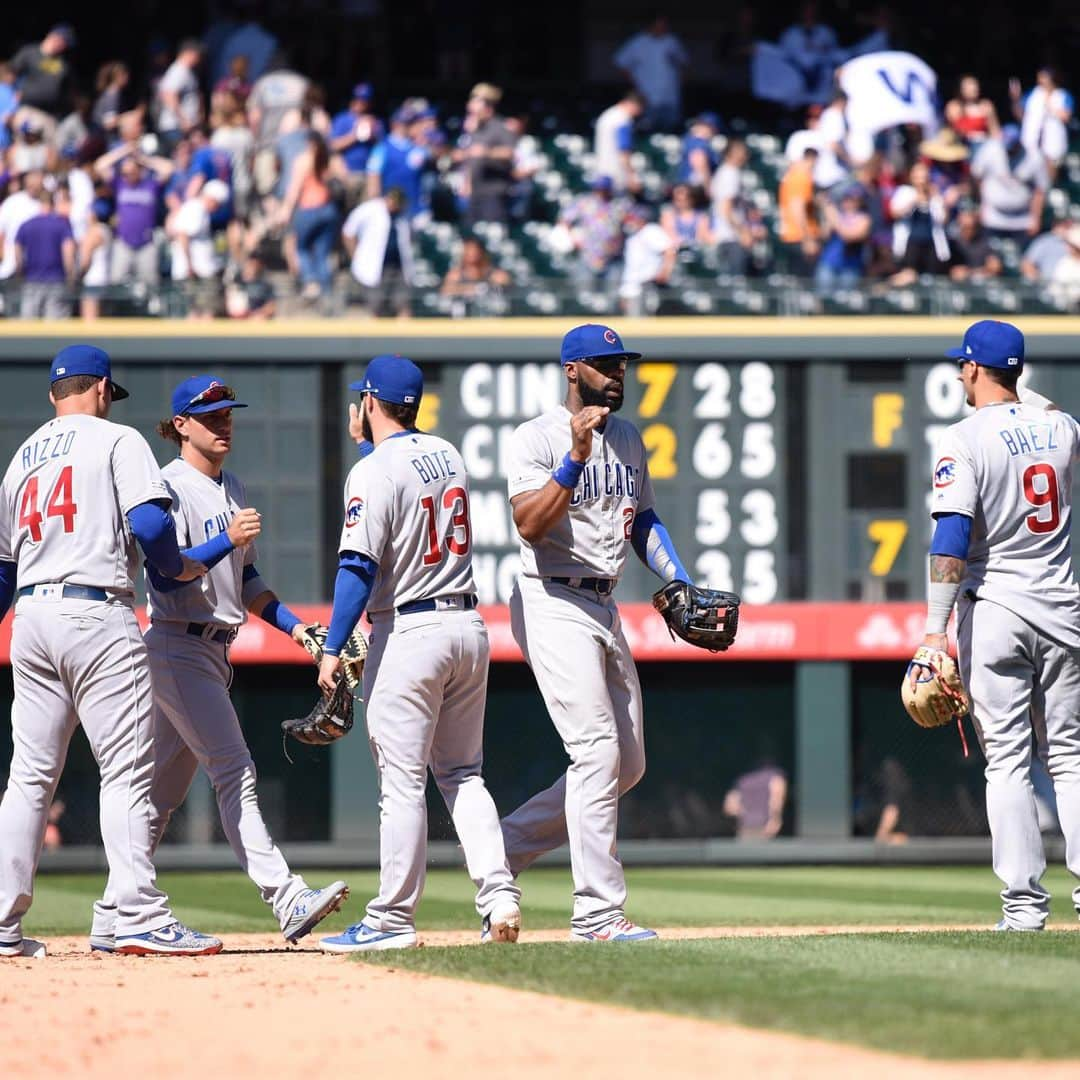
[[942, 995]]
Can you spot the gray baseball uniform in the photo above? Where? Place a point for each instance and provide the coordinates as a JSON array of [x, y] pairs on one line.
[[1009, 468], [194, 719], [425, 680], [79, 658], [573, 640]]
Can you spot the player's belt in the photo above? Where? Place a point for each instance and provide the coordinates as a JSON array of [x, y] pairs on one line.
[[68, 592], [439, 603], [221, 635], [600, 585]]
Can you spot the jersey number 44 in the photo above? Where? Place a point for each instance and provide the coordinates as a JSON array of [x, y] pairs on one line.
[[59, 504]]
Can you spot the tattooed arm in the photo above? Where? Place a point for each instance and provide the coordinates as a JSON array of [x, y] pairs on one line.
[[946, 573]]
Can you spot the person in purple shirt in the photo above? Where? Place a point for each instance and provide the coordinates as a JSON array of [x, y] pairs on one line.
[[45, 258], [138, 181]]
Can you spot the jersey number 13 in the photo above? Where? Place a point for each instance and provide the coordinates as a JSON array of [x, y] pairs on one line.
[[457, 500]]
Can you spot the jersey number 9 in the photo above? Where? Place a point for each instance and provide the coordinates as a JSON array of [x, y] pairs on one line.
[[456, 499], [60, 504], [1044, 494]]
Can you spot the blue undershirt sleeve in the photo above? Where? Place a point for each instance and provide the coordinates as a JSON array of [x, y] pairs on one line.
[[8, 575], [653, 545], [352, 590], [155, 530], [952, 536], [213, 551]]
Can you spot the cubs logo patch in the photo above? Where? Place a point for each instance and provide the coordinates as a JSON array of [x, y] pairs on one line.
[[944, 472], [354, 511], [610, 338]]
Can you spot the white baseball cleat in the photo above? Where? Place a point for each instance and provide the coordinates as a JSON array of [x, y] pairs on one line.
[[23, 947], [502, 924], [1006, 926], [310, 908], [173, 940], [620, 930], [363, 938]]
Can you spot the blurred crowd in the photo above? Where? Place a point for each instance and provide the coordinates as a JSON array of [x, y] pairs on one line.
[[231, 178]]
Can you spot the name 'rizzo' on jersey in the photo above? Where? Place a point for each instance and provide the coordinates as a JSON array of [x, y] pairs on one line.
[[594, 537]]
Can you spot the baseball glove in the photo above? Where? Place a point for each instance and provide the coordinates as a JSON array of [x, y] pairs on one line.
[[707, 618], [313, 638], [331, 718], [938, 695]]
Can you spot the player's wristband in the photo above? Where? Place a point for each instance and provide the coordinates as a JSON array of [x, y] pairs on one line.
[[569, 472], [940, 598]]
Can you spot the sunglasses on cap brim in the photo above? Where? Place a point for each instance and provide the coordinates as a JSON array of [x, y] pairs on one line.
[[605, 363], [212, 395]]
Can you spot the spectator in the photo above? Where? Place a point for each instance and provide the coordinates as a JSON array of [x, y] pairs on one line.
[[195, 261], [81, 185], [947, 157], [614, 142], [30, 152], [527, 162], [378, 240], [138, 182], [1012, 186], [9, 102], [180, 105], [798, 141], [45, 255], [970, 115], [94, 258], [833, 159], [273, 96], [685, 220], [45, 77], [728, 214], [756, 801], [593, 226], [1065, 280], [1044, 114], [653, 61], [1045, 252], [235, 85], [489, 156], [290, 146], [812, 48], [973, 259], [474, 282], [920, 245], [354, 134], [209, 162], [800, 236], [17, 208], [233, 137], [75, 128], [842, 262], [112, 82], [251, 296], [648, 259], [398, 161], [894, 786], [699, 159], [314, 216]]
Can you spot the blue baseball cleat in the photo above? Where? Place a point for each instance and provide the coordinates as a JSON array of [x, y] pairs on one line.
[[619, 930], [362, 938]]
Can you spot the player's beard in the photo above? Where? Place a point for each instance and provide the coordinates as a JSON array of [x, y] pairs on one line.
[[589, 396], [365, 426]]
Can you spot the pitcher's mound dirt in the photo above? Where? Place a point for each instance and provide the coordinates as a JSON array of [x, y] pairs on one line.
[[261, 1010]]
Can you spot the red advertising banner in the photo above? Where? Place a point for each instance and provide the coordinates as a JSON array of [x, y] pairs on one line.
[[802, 631]]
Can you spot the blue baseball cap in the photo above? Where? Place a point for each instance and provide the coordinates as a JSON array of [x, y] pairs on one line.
[[392, 378], [592, 340], [363, 92], [603, 183], [203, 394], [991, 344], [85, 360]]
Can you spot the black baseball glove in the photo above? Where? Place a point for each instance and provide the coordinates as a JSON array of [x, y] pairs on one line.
[[331, 718], [707, 618], [353, 655]]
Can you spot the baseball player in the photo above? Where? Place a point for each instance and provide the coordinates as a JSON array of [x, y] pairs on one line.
[[1000, 549], [581, 496], [192, 627], [77, 495], [406, 556]]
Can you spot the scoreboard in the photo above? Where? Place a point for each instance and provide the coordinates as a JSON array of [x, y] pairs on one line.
[[716, 441]]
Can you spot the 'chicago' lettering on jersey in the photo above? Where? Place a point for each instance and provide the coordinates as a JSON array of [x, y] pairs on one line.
[[219, 523], [52, 446], [618, 480], [1029, 439], [433, 466]]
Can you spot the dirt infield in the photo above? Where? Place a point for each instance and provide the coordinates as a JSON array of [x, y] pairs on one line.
[[262, 1009]]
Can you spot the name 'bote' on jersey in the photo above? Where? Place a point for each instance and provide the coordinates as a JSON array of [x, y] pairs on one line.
[[618, 480]]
